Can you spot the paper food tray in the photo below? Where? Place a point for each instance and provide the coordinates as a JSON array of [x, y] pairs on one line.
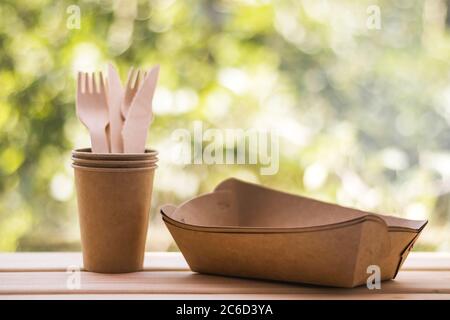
[[245, 230]]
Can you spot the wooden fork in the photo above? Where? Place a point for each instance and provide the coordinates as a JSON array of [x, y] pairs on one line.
[[115, 99], [92, 109], [135, 77], [140, 115]]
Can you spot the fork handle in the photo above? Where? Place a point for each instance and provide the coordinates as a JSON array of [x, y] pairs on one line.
[[115, 128], [99, 141]]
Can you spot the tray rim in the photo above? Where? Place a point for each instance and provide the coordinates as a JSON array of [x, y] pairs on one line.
[[236, 229], [220, 188]]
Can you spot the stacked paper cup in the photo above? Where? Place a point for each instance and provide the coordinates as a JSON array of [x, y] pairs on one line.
[[114, 196]]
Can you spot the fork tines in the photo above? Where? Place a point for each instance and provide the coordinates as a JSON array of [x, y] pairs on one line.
[[90, 82]]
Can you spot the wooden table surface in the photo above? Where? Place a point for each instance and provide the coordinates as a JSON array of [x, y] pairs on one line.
[[167, 276]]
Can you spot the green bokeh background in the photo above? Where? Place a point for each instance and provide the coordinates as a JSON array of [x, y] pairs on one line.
[[363, 114]]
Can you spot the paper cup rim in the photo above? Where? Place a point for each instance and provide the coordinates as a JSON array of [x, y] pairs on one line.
[[103, 169], [103, 166], [88, 151], [114, 162]]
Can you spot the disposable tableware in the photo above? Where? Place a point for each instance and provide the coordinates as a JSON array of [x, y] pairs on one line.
[[132, 86], [246, 230], [115, 98], [140, 115], [113, 206], [92, 109]]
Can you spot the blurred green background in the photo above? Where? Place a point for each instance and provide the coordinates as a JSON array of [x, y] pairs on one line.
[[363, 114]]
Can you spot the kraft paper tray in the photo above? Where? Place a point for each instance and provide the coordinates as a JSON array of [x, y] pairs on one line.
[[246, 230]]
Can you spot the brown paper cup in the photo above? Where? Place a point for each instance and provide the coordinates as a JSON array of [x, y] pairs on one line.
[[86, 153], [113, 205]]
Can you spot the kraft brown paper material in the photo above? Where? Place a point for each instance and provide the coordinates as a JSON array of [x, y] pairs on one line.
[[86, 153], [114, 163], [113, 206], [246, 230]]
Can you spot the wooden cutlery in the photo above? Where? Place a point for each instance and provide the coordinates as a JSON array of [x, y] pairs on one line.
[[140, 115], [92, 109], [117, 118], [132, 86], [115, 98]]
